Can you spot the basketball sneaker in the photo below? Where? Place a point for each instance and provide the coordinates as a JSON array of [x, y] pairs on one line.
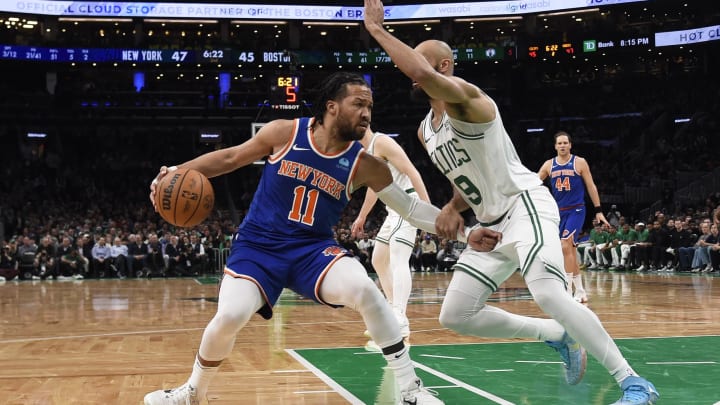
[[185, 394], [574, 358], [416, 394], [637, 391]]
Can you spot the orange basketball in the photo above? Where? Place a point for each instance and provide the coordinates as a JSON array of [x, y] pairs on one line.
[[184, 197]]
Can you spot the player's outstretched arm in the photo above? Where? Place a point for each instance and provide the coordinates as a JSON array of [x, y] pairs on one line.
[[358, 226], [394, 153], [270, 139]]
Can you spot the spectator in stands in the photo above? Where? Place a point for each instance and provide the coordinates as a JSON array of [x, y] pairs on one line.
[[137, 252], [26, 256], [176, 259], [701, 257], [714, 250], [72, 265], [627, 238], [680, 237], [198, 257], [119, 258], [8, 265], [100, 259], [155, 259], [686, 253], [45, 258], [613, 216], [640, 251], [429, 253], [448, 256]]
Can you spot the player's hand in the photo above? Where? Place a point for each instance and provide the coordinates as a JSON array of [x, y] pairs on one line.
[[484, 239], [153, 184], [449, 223], [374, 13], [358, 228], [601, 217]]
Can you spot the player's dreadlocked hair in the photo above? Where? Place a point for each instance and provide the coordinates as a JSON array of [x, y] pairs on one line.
[[334, 88]]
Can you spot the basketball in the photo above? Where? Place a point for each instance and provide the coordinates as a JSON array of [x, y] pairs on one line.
[[184, 197]]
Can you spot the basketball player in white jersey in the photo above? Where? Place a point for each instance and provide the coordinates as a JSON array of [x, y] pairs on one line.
[[396, 239], [466, 140]]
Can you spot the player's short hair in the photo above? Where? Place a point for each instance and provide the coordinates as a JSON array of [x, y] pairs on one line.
[[334, 88], [562, 133]]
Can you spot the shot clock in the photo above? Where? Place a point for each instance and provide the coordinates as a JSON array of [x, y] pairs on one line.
[[285, 92]]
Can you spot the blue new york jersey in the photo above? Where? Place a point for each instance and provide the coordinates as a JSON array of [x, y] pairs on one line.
[[567, 185], [286, 239], [302, 191]]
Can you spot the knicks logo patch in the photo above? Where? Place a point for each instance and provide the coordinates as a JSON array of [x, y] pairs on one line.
[[565, 233], [334, 251]]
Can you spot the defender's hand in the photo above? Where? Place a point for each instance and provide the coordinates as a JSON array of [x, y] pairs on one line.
[[483, 239], [449, 223], [374, 13]]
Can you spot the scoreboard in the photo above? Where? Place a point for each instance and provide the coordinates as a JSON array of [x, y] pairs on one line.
[[226, 56]]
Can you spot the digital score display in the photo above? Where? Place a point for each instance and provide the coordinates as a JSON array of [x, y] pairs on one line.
[[552, 50], [285, 93], [225, 56]]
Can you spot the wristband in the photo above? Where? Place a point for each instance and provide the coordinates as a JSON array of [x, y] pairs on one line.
[[598, 209]]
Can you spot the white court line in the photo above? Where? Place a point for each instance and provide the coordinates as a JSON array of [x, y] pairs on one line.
[[325, 378], [538, 362], [313, 392], [289, 371], [461, 384], [500, 370], [681, 362], [442, 357]]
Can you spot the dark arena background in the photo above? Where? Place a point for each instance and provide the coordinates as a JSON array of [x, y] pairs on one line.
[[96, 96]]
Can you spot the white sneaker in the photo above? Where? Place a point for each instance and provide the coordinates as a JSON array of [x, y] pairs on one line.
[[416, 394], [64, 278], [641, 268], [78, 276], [185, 394], [2, 279]]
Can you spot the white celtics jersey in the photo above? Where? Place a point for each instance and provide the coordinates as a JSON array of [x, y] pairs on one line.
[[399, 178], [481, 161]]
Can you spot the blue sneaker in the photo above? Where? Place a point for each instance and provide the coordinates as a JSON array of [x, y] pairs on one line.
[[573, 356], [637, 391]]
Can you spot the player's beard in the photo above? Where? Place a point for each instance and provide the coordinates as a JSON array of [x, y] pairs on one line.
[[349, 132]]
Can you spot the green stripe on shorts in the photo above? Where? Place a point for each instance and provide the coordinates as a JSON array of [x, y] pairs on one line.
[[537, 231], [477, 275]]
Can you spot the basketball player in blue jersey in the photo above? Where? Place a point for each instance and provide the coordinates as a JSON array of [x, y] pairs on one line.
[[286, 238], [395, 240], [465, 138], [569, 178]]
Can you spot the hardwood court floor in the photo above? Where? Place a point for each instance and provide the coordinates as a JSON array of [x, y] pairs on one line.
[[112, 341]]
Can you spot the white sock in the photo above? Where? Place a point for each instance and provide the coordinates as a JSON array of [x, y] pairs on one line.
[[577, 280], [402, 366], [623, 372], [569, 278], [201, 376]]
